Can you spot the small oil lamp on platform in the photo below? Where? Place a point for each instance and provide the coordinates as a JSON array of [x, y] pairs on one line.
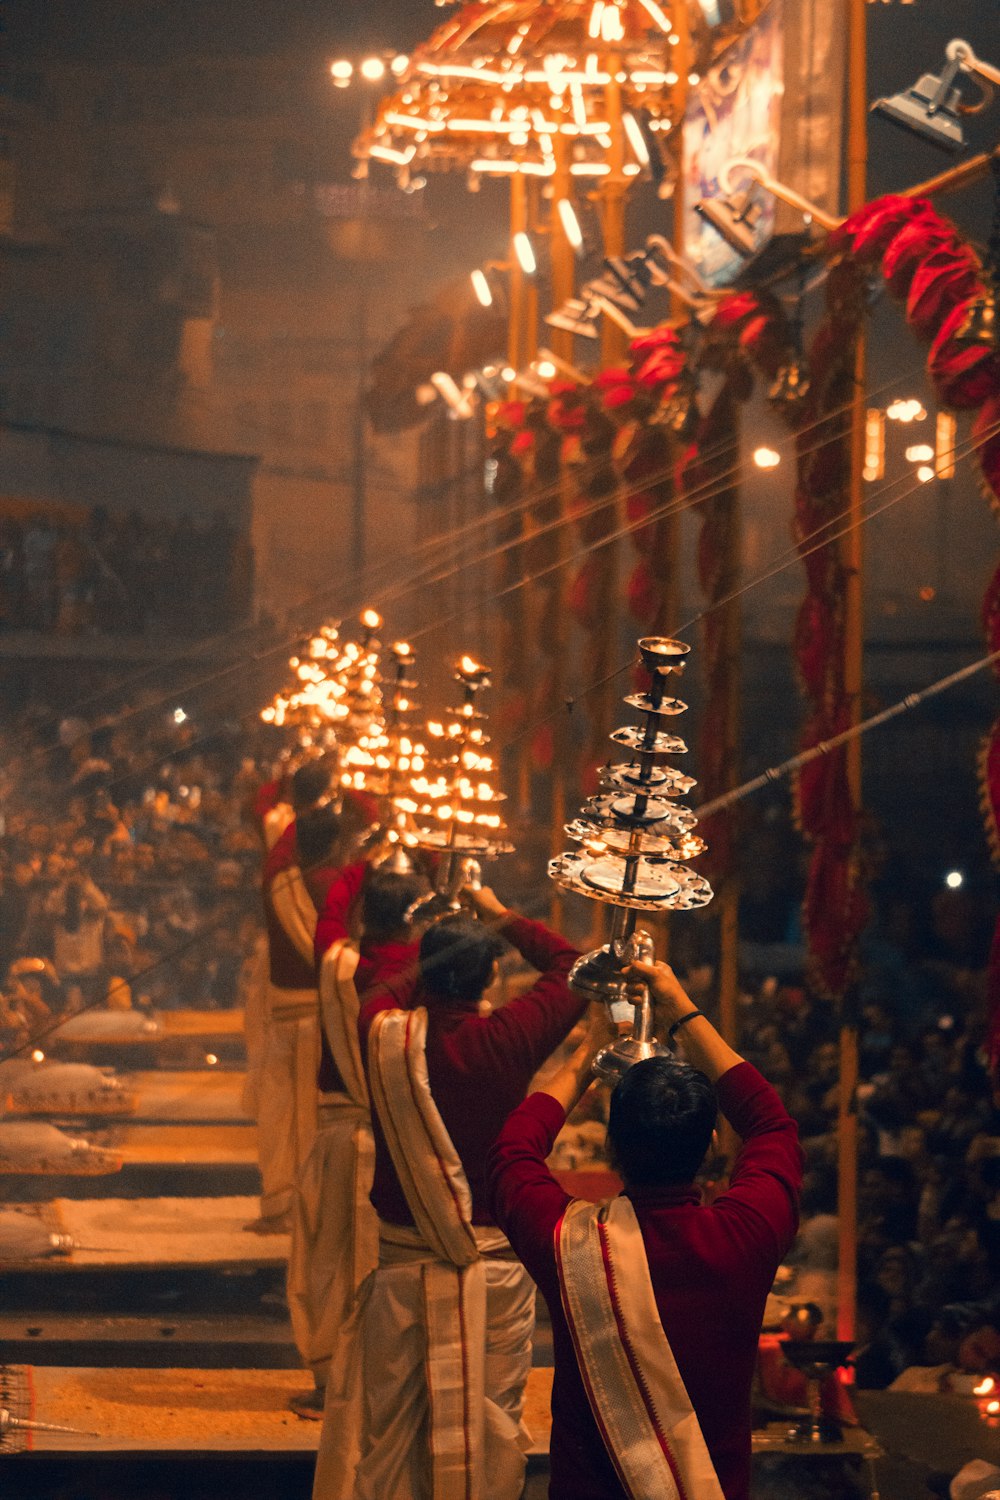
[[634, 841]]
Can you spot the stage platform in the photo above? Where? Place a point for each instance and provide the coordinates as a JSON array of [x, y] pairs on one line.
[[206, 1423], [166, 1096], [194, 1159], [157, 1233], [195, 1412], [184, 1039]]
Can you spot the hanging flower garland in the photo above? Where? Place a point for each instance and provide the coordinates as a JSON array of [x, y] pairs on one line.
[[929, 266], [615, 439]]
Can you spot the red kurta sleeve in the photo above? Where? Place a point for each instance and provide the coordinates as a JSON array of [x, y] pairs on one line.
[[528, 1029], [525, 1199], [761, 1205], [333, 924]]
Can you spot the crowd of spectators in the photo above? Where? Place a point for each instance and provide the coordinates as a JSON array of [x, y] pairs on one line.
[[121, 574], [129, 867], [129, 875], [929, 1125]]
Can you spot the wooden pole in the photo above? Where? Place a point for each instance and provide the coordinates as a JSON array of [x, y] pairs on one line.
[[847, 1119], [561, 252], [612, 198], [518, 290], [563, 260]]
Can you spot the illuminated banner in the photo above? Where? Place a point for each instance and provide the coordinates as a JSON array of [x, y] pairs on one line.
[[736, 111], [777, 95]]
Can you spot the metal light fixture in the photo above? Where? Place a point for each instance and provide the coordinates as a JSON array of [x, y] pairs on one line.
[[790, 386], [933, 108], [681, 413], [735, 216], [634, 842], [979, 326], [737, 213]]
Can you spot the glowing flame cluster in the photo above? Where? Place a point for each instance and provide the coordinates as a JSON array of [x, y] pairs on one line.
[[388, 753], [453, 802], [436, 787], [334, 689]]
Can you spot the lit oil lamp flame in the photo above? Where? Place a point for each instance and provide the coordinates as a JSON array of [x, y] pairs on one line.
[[985, 1387], [993, 1407], [371, 619]]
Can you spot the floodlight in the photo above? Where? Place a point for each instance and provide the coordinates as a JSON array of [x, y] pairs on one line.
[[735, 217], [933, 107], [930, 109]]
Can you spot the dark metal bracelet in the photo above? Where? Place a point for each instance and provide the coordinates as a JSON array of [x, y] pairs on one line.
[[675, 1028]]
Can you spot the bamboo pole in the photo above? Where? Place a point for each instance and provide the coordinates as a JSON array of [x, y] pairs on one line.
[[612, 198], [563, 260], [847, 1120], [561, 252], [518, 290]]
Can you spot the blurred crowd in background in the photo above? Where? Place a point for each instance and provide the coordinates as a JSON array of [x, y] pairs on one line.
[[129, 866], [129, 876], [121, 574]]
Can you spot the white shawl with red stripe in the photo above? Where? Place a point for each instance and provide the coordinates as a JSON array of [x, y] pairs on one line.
[[446, 1246], [636, 1392]]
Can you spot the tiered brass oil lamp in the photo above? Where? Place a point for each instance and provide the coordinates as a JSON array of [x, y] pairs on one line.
[[634, 841]]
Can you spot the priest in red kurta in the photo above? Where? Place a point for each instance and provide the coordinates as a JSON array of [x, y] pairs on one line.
[[711, 1267], [478, 1066], [297, 872], [388, 945]]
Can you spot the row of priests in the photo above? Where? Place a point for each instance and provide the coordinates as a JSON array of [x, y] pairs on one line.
[[393, 1125]]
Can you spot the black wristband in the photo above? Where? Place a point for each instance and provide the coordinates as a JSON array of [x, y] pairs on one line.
[[682, 1021]]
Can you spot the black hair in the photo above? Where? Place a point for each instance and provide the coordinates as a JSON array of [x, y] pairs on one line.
[[457, 956], [316, 832], [660, 1122], [388, 895], [309, 783]]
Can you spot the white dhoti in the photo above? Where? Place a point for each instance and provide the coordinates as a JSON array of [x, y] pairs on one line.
[[254, 1000], [447, 1326], [335, 1236], [413, 1347], [286, 1095], [334, 1231]]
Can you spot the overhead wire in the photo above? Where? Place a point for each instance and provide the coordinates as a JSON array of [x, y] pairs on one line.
[[794, 555], [826, 747], [788, 559], [369, 583], [677, 504]]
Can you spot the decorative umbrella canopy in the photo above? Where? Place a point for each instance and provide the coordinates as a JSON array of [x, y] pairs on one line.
[[501, 84]]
